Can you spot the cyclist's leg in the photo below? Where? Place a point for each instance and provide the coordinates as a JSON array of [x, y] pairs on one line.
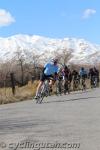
[[81, 85], [50, 85], [59, 87], [42, 79], [38, 89], [64, 82], [56, 87], [69, 85], [84, 83], [97, 81], [43, 91], [74, 84], [65, 85], [47, 89], [91, 82]]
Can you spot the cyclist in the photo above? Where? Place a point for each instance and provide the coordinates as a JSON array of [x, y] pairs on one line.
[[67, 79], [76, 79], [50, 70], [93, 75], [59, 82], [83, 76], [97, 75]]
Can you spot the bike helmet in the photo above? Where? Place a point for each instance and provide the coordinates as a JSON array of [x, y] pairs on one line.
[[54, 60]]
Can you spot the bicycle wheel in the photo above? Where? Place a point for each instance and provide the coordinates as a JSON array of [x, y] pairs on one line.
[[41, 98], [40, 95], [44, 92]]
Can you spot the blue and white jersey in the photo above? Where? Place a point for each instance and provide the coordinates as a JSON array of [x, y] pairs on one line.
[[82, 72], [50, 69]]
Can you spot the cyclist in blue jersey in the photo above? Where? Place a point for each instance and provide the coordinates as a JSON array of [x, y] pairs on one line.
[[83, 73], [50, 70]]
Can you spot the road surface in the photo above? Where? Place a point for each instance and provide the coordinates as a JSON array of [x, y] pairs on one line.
[[61, 122]]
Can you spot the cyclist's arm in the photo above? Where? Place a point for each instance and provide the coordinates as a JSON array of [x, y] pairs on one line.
[[43, 69], [45, 66]]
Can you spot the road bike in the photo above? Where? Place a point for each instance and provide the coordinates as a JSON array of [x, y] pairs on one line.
[[45, 91]]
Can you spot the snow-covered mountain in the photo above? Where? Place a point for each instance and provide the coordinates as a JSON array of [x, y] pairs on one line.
[[82, 51]]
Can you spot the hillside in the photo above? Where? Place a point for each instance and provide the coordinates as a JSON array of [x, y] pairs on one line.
[[83, 51]]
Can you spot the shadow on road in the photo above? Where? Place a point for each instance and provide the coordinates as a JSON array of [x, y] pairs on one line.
[[74, 99]]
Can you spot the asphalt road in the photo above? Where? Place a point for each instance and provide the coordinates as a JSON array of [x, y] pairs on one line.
[[60, 123]]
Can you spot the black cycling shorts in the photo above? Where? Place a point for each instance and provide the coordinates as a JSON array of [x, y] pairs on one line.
[[43, 77]]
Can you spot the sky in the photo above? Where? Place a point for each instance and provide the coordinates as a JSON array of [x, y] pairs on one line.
[[51, 18]]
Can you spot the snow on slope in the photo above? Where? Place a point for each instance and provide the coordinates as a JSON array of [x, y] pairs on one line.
[[83, 51]]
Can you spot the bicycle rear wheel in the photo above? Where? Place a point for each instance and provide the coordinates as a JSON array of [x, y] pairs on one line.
[[44, 92]]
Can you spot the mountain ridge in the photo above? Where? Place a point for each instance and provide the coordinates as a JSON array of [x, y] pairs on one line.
[[83, 51]]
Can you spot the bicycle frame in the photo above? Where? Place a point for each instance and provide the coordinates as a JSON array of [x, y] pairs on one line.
[[44, 92]]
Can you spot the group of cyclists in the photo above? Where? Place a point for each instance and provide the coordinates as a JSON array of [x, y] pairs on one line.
[[64, 77]]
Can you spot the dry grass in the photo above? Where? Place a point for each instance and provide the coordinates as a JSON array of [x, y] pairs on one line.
[[22, 93]]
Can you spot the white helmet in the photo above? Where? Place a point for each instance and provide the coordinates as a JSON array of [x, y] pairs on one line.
[[54, 60]]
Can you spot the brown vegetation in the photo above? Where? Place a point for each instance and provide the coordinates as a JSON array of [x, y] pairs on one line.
[[22, 93]]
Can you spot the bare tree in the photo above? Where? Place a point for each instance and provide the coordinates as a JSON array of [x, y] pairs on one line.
[[21, 61], [63, 55], [36, 64]]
